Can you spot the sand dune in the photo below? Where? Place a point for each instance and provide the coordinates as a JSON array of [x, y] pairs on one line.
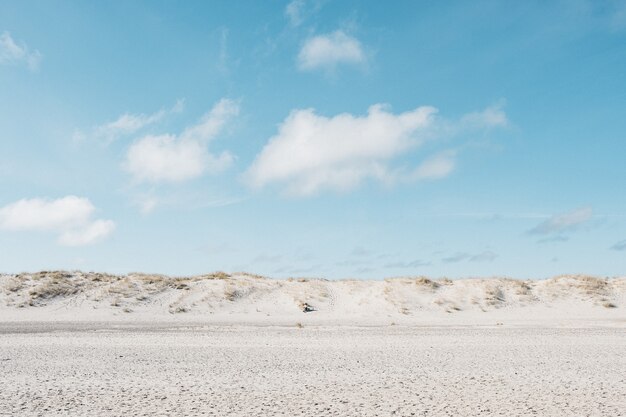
[[61, 295]]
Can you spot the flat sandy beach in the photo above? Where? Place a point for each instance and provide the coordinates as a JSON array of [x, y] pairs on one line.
[[116, 369]]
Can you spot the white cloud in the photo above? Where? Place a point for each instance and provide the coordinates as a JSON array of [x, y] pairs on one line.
[[169, 159], [562, 223], [91, 233], [327, 51], [492, 116], [41, 214], [146, 203], [438, 166], [212, 122], [294, 12], [175, 158], [70, 216], [128, 124], [13, 54], [311, 152]]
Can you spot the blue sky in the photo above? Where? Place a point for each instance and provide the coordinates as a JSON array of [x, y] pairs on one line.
[[314, 138]]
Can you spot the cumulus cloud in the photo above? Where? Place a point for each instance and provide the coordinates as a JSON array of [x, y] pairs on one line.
[[12, 53], [312, 152], [329, 50], [563, 223], [175, 158], [71, 217]]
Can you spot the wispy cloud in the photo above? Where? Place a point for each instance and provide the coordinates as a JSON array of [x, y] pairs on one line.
[[176, 158], [71, 217], [492, 116], [486, 256], [438, 166], [457, 257], [551, 239], [563, 223], [223, 58], [294, 12], [328, 51], [14, 53], [405, 265], [127, 124], [90, 233], [621, 245]]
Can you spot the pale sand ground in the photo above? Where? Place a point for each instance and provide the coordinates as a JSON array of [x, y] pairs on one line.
[[123, 369], [89, 344]]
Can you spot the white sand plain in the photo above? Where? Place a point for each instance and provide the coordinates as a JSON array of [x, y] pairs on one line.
[[100, 345]]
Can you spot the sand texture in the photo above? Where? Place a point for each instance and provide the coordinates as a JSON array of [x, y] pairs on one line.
[[88, 344], [147, 369]]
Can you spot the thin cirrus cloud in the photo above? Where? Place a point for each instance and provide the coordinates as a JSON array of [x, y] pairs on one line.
[[311, 152], [14, 53], [176, 158], [70, 217], [563, 223], [621, 245], [410, 264], [294, 12], [436, 167], [326, 52], [486, 256], [127, 124]]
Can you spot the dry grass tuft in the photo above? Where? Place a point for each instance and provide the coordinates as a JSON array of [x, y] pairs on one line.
[[219, 275], [233, 294], [426, 283], [54, 285]]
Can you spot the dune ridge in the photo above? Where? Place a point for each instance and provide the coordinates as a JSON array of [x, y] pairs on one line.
[[50, 295]]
